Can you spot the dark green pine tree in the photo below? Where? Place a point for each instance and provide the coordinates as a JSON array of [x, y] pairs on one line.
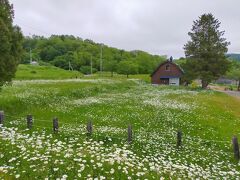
[[205, 52], [10, 43]]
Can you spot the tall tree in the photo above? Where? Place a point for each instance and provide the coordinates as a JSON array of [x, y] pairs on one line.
[[111, 65], [205, 52], [11, 43]]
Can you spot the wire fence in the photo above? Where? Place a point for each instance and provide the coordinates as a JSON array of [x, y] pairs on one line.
[[23, 119], [132, 136], [140, 131]]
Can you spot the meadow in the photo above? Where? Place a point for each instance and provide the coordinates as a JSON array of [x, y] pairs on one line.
[[208, 120], [26, 72]]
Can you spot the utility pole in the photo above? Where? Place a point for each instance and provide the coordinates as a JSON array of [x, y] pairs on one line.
[[70, 66], [30, 51], [101, 67], [30, 54], [91, 64]]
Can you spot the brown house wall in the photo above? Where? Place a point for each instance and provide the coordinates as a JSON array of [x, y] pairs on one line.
[[161, 71]]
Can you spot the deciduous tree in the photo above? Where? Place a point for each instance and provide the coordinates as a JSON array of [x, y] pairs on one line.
[[127, 68], [234, 73]]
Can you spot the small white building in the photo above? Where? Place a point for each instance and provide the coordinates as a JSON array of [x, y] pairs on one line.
[[34, 63]]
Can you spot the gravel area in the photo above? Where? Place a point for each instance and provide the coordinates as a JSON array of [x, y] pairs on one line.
[[233, 93]]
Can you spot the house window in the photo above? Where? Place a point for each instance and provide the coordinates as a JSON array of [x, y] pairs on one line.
[[167, 68]]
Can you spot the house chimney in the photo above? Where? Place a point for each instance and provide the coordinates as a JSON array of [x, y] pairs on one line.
[[171, 59]]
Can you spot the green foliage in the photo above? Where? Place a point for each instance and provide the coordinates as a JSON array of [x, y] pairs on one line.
[[181, 61], [194, 85], [59, 50], [234, 73], [10, 43], [111, 66], [206, 50], [61, 62], [87, 70], [127, 67]]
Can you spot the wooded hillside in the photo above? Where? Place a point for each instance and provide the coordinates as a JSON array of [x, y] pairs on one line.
[[59, 50]]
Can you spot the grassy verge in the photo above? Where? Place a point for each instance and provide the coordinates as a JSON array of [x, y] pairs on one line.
[[28, 72]]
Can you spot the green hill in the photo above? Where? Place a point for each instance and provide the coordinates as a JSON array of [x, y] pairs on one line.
[[44, 72], [234, 56], [62, 50]]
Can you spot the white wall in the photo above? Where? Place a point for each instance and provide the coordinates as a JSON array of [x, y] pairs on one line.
[[174, 81]]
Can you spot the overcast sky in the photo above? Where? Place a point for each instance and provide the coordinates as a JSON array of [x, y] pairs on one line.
[[156, 26]]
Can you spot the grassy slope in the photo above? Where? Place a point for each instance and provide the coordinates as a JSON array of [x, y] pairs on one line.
[[43, 72], [29, 72]]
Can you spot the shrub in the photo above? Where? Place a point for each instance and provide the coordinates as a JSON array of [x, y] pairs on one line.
[[87, 69]]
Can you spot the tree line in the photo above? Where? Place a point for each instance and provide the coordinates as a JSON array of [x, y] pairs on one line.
[[67, 51]]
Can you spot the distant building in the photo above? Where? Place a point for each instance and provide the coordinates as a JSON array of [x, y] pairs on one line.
[[35, 63], [224, 80], [167, 73]]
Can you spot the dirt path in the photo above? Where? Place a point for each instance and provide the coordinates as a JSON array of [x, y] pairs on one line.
[[221, 89], [233, 93]]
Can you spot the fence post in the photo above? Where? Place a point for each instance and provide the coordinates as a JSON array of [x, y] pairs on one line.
[[129, 134], [55, 124], [89, 128], [29, 121], [1, 117], [235, 148], [179, 138]]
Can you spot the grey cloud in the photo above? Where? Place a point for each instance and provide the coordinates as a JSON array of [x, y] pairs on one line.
[[156, 26]]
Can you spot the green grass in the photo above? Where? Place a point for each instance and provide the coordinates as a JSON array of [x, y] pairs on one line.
[[142, 77], [207, 119], [29, 72]]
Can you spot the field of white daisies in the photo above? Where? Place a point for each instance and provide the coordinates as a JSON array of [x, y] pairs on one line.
[[208, 121]]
